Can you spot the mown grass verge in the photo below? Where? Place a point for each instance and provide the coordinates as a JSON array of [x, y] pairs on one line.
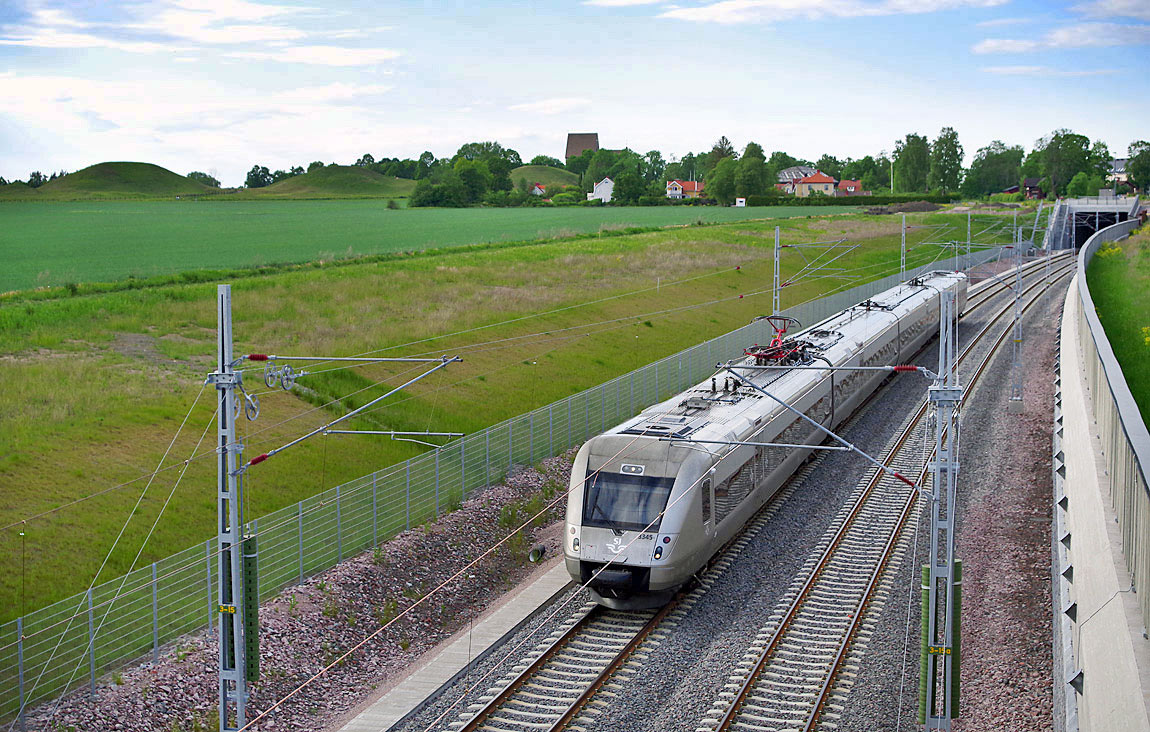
[[1119, 279]]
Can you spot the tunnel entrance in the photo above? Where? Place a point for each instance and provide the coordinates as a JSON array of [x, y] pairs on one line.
[[1088, 222]]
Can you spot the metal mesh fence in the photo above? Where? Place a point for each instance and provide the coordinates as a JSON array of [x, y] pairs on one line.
[[72, 642]]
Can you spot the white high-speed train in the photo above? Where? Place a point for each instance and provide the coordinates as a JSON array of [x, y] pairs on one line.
[[652, 499]]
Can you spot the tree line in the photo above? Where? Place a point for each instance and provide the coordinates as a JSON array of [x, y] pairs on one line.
[[1064, 163]]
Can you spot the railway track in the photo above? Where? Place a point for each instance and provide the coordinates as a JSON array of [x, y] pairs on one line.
[[570, 668], [788, 678]]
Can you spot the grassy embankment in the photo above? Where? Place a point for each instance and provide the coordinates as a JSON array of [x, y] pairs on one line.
[[109, 181], [544, 174], [99, 383], [60, 243], [1119, 278]]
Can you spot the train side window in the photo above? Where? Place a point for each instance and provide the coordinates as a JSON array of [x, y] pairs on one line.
[[706, 495]]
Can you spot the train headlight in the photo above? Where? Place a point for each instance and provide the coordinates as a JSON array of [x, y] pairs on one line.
[[575, 544], [658, 552]]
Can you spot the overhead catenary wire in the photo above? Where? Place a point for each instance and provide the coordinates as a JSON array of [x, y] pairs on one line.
[[176, 570], [115, 543], [135, 560]]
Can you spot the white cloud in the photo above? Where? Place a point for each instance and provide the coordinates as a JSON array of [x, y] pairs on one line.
[[1139, 9], [620, 3], [1044, 71], [322, 55], [337, 92], [51, 38], [999, 22], [558, 105], [754, 11], [1080, 35]]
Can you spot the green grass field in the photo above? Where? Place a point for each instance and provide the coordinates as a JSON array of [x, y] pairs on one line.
[[544, 174], [1119, 279], [98, 384], [52, 244]]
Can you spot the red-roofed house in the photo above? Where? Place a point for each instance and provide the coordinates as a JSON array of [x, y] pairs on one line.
[[538, 189], [684, 188], [850, 188], [819, 182]]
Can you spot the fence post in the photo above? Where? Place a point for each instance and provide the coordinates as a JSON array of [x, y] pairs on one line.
[[631, 401], [510, 444], [570, 437], [531, 437], [338, 526], [299, 523], [462, 469], [437, 482], [374, 512], [155, 619], [20, 666], [486, 455], [656, 381], [550, 432], [91, 649], [211, 607], [407, 493]]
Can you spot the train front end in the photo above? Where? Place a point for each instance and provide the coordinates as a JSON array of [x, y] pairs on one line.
[[628, 501]]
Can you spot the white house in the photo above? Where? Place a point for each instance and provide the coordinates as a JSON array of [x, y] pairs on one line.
[[603, 191]]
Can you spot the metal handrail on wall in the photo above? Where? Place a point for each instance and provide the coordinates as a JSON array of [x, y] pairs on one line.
[[1123, 433]]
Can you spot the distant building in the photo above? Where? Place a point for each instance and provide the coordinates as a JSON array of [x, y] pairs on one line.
[[1033, 188], [850, 188], [1118, 172], [797, 172], [740, 203], [817, 182], [604, 189], [579, 142], [538, 189], [1010, 189], [684, 188]]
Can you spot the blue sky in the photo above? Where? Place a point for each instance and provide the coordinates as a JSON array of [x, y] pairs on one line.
[[219, 85]]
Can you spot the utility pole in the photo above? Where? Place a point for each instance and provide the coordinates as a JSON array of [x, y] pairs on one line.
[[902, 253], [942, 576], [1016, 335], [776, 293], [233, 693]]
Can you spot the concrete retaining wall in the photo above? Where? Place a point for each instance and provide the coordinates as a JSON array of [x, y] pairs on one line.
[[1102, 655]]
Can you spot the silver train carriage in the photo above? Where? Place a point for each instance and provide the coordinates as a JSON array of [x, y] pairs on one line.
[[646, 508]]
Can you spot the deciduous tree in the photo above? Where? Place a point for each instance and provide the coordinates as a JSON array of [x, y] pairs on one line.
[[204, 178], [547, 160], [1138, 164], [721, 181], [258, 177], [945, 161], [994, 168], [830, 165], [751, 172], [628, 187], [911, 164], [36, 179]]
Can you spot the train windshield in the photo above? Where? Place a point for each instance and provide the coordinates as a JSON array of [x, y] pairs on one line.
[[625, 502]]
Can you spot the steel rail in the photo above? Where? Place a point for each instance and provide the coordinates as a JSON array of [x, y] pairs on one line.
[[800, 600], [856, 620], [615, 664], [572, 633]]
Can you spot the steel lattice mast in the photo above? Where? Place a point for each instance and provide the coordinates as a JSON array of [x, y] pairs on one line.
[[941, 603], [232, 677]]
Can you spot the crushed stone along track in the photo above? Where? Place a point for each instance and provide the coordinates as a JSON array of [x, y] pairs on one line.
[[545, 692], [556, 686], [784, 680]]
